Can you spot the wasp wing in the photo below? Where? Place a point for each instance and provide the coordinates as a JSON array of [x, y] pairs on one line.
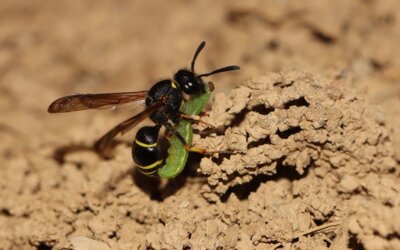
[[123, 127], [96, 101]]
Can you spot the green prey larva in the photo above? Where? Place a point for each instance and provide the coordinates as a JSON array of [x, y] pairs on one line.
[[177, 153]]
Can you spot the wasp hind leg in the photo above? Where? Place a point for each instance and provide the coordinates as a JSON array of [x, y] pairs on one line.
[[204, 151], [195, 119], [171, 131]]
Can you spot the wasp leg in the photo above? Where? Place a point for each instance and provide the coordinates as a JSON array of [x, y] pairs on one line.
[[194, 118], [170, 130], [205, 151], [168, 134]]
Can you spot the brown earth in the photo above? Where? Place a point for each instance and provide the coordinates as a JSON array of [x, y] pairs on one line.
[[316, 142]]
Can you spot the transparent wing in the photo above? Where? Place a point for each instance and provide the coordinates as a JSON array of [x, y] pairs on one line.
[[97, 101], [123, 127]]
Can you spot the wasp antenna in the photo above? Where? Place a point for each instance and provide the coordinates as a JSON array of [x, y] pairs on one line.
[[198, 50], [224, 69]]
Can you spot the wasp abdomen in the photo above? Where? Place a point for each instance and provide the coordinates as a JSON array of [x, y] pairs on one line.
[[145, 151]]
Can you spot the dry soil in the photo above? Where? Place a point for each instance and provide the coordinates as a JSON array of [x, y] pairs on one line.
[[312, 116]]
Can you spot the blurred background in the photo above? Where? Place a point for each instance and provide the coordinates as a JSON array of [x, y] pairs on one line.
[[53, 48]]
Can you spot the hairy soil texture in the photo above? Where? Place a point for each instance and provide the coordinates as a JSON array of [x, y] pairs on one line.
[[312, 116]]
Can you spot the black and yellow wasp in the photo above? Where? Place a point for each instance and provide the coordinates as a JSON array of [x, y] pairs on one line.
[[162, 105]]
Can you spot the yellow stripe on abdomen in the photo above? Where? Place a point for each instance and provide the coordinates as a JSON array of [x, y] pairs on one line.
[[147, 173], [145, 145], [153, 165]]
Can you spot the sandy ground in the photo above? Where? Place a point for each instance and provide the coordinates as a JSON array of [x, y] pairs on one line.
[[313, 116]]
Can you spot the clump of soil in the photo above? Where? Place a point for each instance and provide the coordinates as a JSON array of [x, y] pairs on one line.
[[314, 153], [288, 123], [311, 144], [314, 168]]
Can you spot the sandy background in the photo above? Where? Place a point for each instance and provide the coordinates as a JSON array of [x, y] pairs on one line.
[[319, 154]]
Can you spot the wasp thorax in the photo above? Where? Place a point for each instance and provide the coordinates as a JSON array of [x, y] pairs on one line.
[[189, 82]]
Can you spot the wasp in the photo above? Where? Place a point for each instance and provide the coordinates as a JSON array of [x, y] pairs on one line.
[[162, 102]]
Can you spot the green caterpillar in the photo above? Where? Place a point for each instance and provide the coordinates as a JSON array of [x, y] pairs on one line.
[[177, 153]]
